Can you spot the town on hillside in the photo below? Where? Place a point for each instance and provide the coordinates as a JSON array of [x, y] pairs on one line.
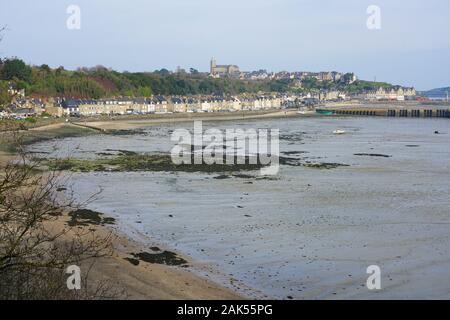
[[306, 90]]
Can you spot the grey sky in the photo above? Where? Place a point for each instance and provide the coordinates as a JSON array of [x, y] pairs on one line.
[[412, 47]]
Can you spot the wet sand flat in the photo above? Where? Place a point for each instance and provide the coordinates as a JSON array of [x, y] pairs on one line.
[[308, 233]]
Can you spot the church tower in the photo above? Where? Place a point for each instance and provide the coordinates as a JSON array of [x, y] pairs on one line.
[[213, 65]]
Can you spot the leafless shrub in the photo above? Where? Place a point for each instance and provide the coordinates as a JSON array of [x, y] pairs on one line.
[[34, 249]]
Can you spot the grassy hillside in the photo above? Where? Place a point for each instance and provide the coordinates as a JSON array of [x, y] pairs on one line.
[[438, 92]]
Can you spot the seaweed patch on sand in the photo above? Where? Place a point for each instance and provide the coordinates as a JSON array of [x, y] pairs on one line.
[[133, 261], [129, 161], [165, 257], [293, 153], [124, 132], [324, 165], [222, 176], [296, 162], [243, 176], [373, 155], [293, 137], [85, 217], [123, 152]]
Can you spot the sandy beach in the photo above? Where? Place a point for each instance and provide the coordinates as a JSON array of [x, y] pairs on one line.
[[146, 280], [127, 123]]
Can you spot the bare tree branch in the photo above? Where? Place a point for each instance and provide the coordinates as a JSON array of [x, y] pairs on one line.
[[33, 255]]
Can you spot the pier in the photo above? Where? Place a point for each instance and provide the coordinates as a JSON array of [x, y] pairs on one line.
[[401, 112]]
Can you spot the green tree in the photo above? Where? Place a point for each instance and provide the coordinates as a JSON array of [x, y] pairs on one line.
[[15, 69], [163, 72], [45, 68], [145, 91]]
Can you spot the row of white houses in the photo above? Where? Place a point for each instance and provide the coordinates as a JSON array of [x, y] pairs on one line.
[[393, 94], [160, 104]]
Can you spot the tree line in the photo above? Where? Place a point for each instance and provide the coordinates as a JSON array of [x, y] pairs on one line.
[[100, 82]]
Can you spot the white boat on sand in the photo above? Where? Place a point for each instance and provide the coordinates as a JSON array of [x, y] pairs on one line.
[[305, 112]]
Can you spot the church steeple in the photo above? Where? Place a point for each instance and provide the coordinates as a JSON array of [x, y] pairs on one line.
[[213, 65]]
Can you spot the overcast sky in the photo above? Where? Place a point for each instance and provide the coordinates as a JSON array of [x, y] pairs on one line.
[[412, 48]]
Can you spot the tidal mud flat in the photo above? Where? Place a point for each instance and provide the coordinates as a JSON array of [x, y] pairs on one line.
[[305, 233]]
